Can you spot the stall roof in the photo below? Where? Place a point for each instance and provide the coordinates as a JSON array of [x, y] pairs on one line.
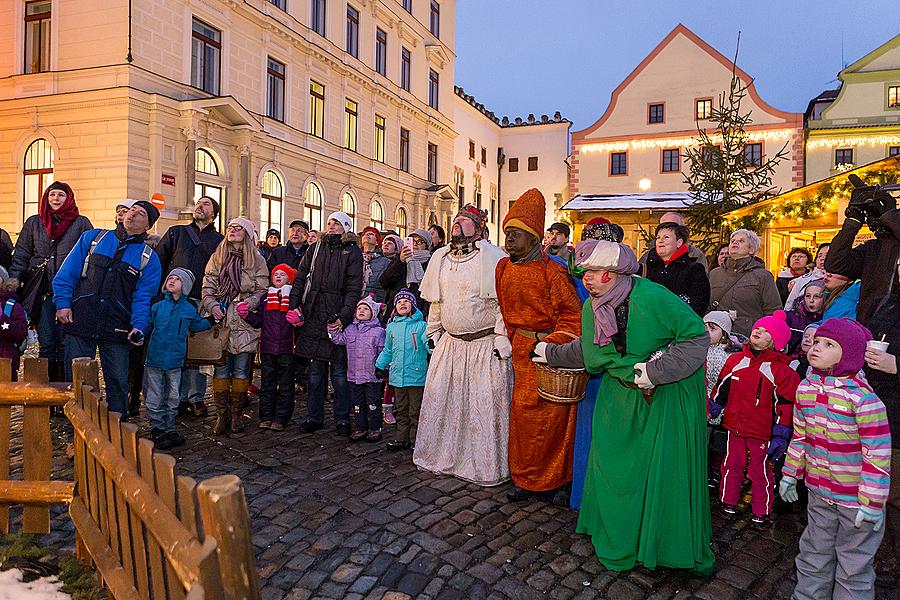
[[656, 201]]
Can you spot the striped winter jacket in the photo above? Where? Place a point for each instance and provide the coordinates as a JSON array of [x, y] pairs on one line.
[[842, 442]]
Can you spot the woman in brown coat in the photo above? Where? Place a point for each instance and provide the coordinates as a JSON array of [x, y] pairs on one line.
[[235, 273]]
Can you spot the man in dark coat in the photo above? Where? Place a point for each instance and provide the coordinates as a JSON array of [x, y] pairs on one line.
[[189, 247], [872, 261], [294, 249], [332, 269]]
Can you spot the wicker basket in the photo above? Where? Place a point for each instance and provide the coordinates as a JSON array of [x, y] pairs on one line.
[[563, 386]]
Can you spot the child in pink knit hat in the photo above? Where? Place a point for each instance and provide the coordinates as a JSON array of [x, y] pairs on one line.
[[756, 389]]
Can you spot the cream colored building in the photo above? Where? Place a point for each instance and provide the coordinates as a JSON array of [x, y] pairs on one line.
[[282, 108], [859, 123], [495, 160]]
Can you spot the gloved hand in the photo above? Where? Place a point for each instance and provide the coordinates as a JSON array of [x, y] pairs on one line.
[[641, 379], [855, 212], [866, 514], [381, 374], [294, 317], [433, 340], [781, 437], [714, 409], [243, 309], [539, 353], [502, 347], [787, 489]]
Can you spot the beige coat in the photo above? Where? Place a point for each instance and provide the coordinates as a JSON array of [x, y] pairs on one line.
[[746, 287], [254, 280]]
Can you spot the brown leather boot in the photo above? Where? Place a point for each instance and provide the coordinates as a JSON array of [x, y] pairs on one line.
[[221, 388], [238, 401]]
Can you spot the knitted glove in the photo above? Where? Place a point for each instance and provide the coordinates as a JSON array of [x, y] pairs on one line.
[[855, 212], [539, 354], [714, 409], [867, 514], [641, 379], [502, 347], [781, 437], [381, 374], [787, 489], [294, 317], [243, 308]]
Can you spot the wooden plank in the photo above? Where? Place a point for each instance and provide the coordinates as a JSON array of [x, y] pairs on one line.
[[122, 525], [90, 400], [112, 573], [39, 493], [5, 375], [164, 468], [187, 504], [37, 448], [138, 540], [109, 422], [81, 552], [35, 394], [210, 576], [155, 555]]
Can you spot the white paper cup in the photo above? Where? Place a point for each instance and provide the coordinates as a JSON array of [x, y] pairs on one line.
[[877, 345]]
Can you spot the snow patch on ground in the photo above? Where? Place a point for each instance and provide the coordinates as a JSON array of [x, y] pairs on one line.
[[44, 588]]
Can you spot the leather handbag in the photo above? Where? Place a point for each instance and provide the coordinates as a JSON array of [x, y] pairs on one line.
[[207, 347]]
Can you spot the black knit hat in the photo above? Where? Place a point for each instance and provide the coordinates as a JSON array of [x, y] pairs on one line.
[[152, 212]]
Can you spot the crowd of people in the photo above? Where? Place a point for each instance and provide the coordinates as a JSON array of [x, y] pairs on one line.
[[698, 377]]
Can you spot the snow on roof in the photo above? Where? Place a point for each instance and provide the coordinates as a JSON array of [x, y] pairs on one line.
[[656, 201]]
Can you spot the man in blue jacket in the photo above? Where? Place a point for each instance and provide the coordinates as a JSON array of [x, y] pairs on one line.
[[102, 295]]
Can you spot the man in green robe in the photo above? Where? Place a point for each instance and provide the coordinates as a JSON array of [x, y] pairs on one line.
[[645, 496]]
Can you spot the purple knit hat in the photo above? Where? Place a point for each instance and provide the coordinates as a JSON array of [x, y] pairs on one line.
[[852, 338], [405, 294], [375, 307]]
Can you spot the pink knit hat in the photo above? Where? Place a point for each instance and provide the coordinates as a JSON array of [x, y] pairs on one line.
[[777, 328]]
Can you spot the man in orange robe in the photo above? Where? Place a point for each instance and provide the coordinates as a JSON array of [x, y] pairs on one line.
[[538, 303]]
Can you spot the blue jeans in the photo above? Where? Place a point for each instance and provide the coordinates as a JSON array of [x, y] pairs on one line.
[[236, 366], [50, 334], [161, 393], [113, 361], [318, 389], [193, 385]]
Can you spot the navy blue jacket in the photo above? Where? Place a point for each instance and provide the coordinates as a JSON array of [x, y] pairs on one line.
[[114, 295], [170, 323], [276, 335]]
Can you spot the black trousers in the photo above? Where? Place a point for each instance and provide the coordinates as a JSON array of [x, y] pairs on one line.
[[367, 402], [276, 398]]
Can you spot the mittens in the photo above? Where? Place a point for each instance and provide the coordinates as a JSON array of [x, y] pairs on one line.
[[539, 354], [714, 409], [243, 309], [781, 437], [867, 514], [294, 317], [641, 378], [502, 347], [787, 489]]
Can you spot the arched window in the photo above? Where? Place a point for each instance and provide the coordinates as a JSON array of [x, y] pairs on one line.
[[432, 219], [402, 223], [205, 164], [312, 207], [270, 202], [348, 205], [38, 175], [377, 220]]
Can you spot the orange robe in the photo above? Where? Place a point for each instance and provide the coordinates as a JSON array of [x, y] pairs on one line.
[[538, 296]]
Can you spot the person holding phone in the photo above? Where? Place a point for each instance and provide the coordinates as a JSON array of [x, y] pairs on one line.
[[408, 269]]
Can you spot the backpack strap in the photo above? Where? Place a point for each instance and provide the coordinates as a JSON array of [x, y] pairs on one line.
[[8, 307], [97, 239], [145, 256]]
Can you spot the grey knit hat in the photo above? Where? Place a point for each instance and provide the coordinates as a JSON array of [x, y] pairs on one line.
[[721, 318], [186, 277]]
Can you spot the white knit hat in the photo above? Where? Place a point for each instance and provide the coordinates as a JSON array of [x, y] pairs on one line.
[[248, 226], [342, 218], [721, 318]]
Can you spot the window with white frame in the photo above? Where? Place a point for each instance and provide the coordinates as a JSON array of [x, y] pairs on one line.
[[377, 216], [206, 55], [275, 89], [206, 173], [38, 172], [271, 202]]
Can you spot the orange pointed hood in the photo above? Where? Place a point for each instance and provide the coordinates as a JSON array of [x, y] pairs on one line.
[[527, 213]]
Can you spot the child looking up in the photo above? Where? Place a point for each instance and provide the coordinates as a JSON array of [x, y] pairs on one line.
[[718, 325], [171, 319], [406, 354], [807, 310], [842, 448], [364, 339], [756, 390], [13, 322], [276, 348]]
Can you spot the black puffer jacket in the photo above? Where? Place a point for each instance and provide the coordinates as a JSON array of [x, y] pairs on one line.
[[874, 261], [33, 246], [178, 249], [886, 322], [287, 255], [684, 277], [393, 279], [335, 288]]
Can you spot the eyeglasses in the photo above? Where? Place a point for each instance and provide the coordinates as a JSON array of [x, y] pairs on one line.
[[235, 228], [417, 241]]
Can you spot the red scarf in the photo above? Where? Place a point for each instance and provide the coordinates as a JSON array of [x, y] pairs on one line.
[[676, 255], [56, 222], [279, 298]]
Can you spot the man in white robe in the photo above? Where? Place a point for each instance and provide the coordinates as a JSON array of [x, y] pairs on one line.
[[464, 422]]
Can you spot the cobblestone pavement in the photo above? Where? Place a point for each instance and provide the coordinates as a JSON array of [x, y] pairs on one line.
[[333, 519]]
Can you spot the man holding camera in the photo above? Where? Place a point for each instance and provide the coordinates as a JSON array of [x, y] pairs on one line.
[[873, 261]]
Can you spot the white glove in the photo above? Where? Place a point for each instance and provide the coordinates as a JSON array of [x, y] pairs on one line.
[[641, 379], [540, 353], [502, 347], [787, 489], [868, 515]]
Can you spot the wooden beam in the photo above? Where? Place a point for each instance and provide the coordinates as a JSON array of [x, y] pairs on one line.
[[41, 493], [114, 576], [35, 394]]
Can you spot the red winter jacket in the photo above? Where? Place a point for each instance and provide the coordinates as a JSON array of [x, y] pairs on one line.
[[756, 392]]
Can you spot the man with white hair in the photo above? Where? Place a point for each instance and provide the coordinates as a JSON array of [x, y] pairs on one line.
[[743, 284], [693, 251]]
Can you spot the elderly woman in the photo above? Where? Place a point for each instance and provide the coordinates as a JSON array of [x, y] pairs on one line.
[[645, 499], [670, 265], [235, 273], [743, 284], [799, 263], [798, 285]]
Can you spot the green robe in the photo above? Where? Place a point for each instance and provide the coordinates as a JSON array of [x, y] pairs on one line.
[[645, 494]]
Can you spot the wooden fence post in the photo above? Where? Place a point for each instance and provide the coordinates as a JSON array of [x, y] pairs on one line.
[[224, 514], [5, 375], [37, 448]]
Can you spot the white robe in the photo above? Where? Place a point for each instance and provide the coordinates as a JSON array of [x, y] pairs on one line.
[[464, 421]]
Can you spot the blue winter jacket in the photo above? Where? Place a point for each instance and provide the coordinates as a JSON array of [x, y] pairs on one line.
[[845, 304], [114, 295], [170, 323], [405, 351]]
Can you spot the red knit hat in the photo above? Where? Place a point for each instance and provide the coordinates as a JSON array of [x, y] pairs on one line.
[[373, 230], [291, 273], [599, 221], [527, 213], [777, 328]]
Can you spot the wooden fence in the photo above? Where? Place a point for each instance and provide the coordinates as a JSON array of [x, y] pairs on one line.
[[149, 532], [35, 490]]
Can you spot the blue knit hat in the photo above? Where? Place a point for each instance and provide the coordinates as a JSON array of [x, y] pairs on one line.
[[405, 294]]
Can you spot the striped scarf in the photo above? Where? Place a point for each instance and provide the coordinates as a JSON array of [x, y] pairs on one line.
[[278, 298]]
